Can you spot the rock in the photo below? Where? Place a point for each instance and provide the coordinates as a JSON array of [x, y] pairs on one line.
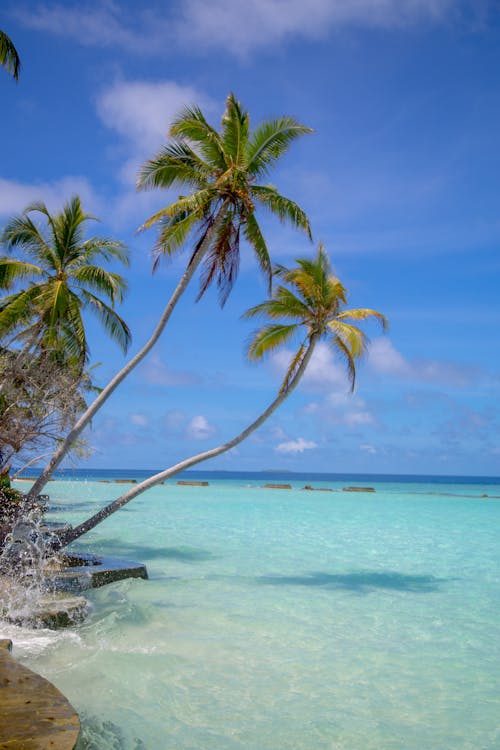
[[317, 489], [358, 489], [277, 486], [192, 483], [35, 609]]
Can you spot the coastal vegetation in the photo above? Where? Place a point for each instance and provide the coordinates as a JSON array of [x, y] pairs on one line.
[[220, 169], [53, 279], [50, 276]]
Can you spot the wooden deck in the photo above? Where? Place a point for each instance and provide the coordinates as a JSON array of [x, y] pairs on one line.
[[34, 715]]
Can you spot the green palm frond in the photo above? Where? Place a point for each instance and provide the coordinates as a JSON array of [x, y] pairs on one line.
[[173, 234], [283, 304], [21, 233], [215, 166], [17, 310], [115, 326], [198, 203], [102, 248], [175, 164], [270, 141], [269, 338], [112, 285], [313, 298], [9, 58], [192, 127], [254, 236], [12, 271], [235, 128], [61, 267], [284, 208]]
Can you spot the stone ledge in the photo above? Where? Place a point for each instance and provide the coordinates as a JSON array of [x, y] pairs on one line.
[[79, 572], [34, 715]]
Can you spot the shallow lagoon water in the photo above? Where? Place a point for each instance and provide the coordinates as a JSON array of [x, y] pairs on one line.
[[286, 619]]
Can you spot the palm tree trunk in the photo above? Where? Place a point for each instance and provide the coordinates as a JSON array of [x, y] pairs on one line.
[[112, 507], [130, 365]]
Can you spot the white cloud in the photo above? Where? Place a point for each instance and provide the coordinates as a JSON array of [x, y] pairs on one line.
[[323, 372], [199, 428], [238, 26], [141, 113], [367, 448], [156, 372], [15, 196], [291, 447], [344, 408], [384, 359], [140, 420]]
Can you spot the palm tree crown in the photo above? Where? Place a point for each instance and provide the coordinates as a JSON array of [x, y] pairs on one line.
[[9, 59], [64, 278], [221, 169], [312, 302]]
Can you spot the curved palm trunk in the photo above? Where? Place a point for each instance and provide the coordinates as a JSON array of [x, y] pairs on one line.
[[96, 519], [130, 365]]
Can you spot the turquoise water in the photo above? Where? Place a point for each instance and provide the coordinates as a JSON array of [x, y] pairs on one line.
[[285, 619]]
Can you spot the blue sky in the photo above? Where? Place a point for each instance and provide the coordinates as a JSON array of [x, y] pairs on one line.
[[400, 180]]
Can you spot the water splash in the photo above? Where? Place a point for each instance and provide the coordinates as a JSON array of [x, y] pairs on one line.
[[23, 557]]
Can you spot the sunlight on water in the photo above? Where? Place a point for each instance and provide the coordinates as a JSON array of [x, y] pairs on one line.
[[285, 619]]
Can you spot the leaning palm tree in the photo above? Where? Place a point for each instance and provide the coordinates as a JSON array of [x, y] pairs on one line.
[[63, 280], [9, 59], [220, 170], [309, 307]]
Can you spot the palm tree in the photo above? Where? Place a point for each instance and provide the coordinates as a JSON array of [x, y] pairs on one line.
[[63, 278], [9, 59], [312, 305], [220, 169]]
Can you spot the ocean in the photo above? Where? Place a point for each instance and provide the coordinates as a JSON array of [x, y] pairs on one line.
[[281, 619]]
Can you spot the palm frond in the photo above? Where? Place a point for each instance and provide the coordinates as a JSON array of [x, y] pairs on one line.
[[176, 164], [115, 326], [192, 126], [352, 336], [103, 248], [270, 140], [173, 234], [14, 270], [270, 337], [254, 236], [21, 233], [347, 357], [284, 208], [113, 285], [223, 258], [364, 314], [235, 127], [284, 304], [18, 309], [9, 58], [200, 203]]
